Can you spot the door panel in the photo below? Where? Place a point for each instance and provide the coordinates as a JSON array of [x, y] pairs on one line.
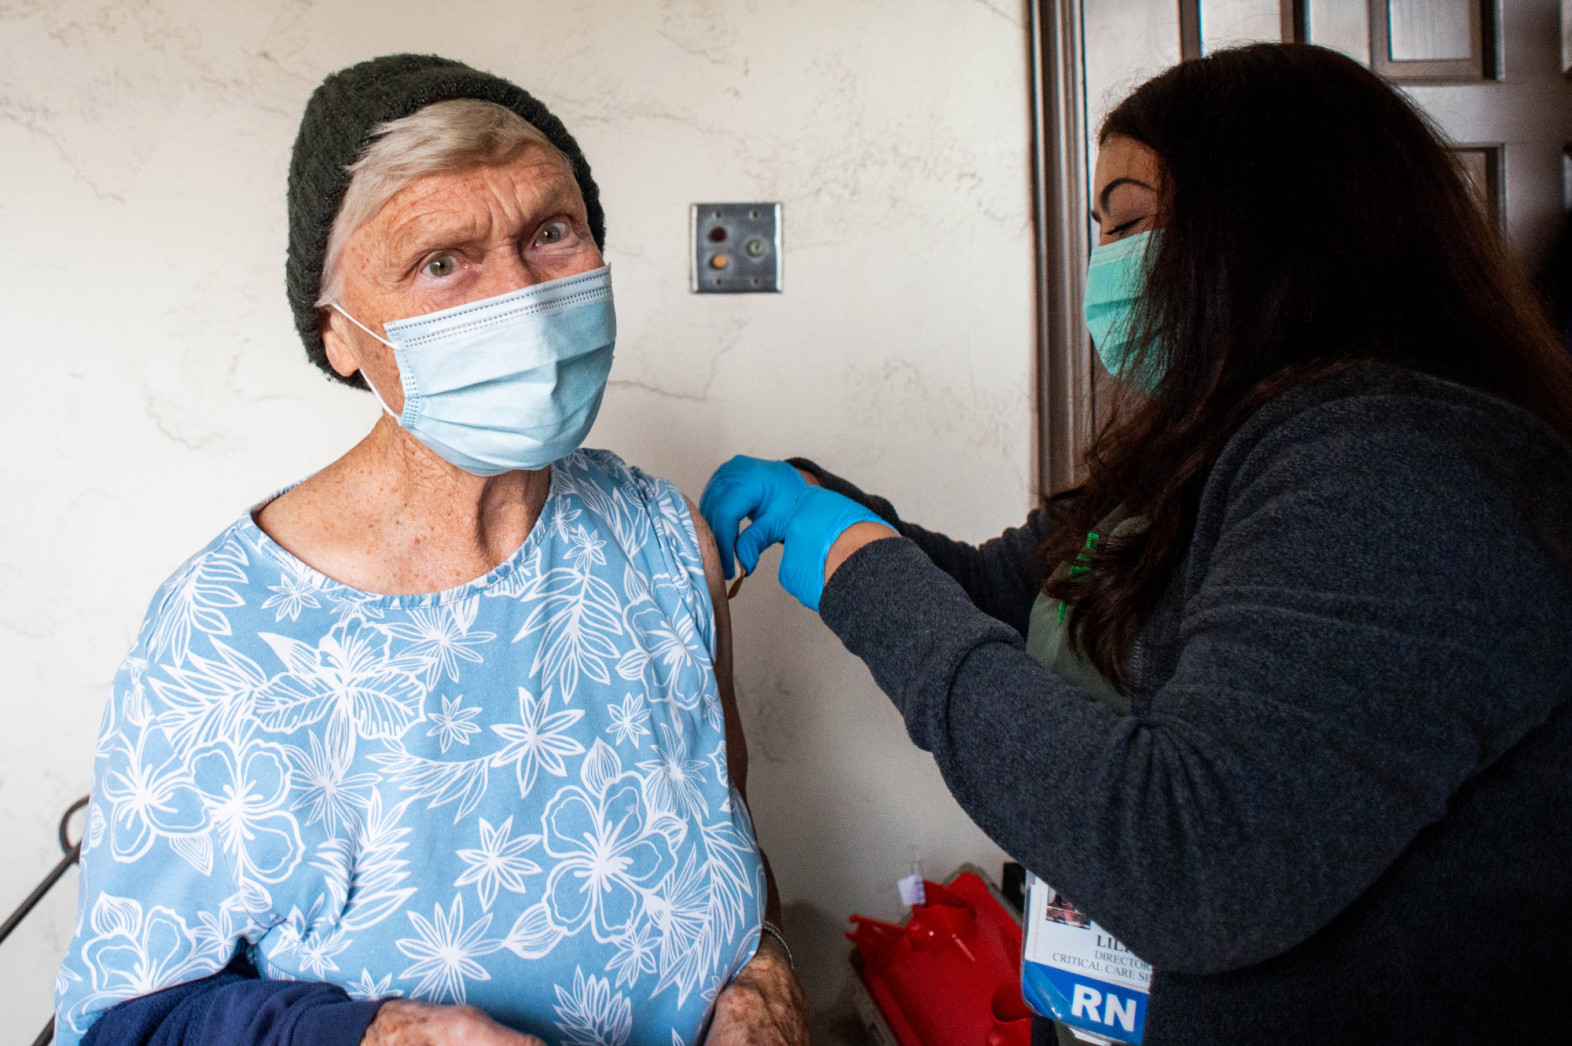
[[1225, 23], [1482, 168], [1342, 26], [1432, 30]]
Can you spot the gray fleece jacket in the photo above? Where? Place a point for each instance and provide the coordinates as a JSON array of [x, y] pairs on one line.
[[1340, 808]]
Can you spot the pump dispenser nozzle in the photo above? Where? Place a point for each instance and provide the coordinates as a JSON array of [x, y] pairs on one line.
[[912, 890]]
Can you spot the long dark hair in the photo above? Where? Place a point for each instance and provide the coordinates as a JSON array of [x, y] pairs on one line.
[[1312, 222]]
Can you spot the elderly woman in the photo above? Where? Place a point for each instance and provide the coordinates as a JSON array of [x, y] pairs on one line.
[[451, 721]]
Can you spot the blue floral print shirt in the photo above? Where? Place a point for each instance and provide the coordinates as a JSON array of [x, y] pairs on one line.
[[512, 793]]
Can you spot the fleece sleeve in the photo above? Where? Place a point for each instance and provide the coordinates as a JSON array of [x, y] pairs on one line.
[[1001, 577]]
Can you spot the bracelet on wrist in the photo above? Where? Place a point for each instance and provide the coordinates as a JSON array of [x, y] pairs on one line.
[[774, 931]]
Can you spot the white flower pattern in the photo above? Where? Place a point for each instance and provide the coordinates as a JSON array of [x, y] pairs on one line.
[[368, 989], [446, 953], [441, 638], [128, 952], [499, 861], [245, 792], [293, 593], [673, 781], [635, 954], [511, 794], [589, 1014], [629, 720], [606, 855], [453, 725], [330, 793], [538, 741]]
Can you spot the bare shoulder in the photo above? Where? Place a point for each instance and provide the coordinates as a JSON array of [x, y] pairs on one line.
[[715, 581], [709, 551]]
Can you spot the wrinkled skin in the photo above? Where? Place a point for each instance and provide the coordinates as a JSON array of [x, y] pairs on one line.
[[763, 1006], [400, 1022]]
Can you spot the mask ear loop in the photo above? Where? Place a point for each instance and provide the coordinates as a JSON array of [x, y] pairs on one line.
[[363, 375]]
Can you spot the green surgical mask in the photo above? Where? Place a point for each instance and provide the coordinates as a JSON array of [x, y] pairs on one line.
[[1114, 280]]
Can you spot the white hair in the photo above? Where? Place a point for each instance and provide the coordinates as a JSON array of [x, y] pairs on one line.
[[444, 136]]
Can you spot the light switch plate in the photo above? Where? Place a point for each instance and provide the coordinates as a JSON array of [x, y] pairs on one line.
[[734, 248]]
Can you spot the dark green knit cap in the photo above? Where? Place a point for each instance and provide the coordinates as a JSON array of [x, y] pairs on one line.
[[337, 127]]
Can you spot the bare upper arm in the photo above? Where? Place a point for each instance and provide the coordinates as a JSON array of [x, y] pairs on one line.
[[715, 580]]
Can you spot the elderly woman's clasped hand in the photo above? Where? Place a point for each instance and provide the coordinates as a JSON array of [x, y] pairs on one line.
[[405, 1022], [763, 1006]]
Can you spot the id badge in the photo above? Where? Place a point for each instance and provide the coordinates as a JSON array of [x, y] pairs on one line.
[[1078, 974]]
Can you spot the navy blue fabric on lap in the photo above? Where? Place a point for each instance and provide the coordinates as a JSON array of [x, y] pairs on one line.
[[235, 1007]]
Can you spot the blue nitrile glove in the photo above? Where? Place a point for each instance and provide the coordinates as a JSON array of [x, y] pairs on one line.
[[782, 507], [749, 488]]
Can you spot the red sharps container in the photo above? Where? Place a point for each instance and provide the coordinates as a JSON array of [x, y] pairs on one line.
[[951, 975]]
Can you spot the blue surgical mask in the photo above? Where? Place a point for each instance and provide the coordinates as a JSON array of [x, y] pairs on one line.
[[511, 382], [1114, 281]]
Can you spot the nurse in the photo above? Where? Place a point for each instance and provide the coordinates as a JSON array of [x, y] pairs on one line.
[[1281, 693]]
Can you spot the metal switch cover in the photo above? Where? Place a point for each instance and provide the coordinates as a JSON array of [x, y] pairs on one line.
[[735, 248]]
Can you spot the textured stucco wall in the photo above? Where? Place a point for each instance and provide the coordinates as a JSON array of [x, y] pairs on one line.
[[153, 387]]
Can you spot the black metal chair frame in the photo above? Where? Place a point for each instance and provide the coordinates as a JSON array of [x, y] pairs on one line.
[[73, 852]]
